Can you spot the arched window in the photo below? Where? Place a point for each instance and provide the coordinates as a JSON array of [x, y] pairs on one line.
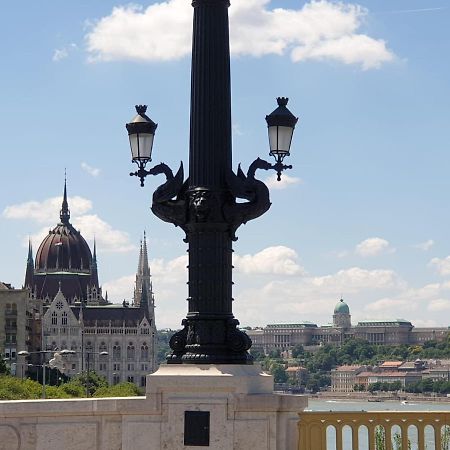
[[73, 346], [54, 318], [64, 318], [130, 351], [144, 352], [116, 352], [103, 348]]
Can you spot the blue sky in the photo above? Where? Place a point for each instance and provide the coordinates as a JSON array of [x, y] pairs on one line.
[[363, 213]]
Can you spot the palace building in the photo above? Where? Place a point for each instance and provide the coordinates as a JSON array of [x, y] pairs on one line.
[[285, 336]]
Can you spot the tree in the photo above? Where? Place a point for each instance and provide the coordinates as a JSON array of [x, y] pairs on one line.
[[278, 372], [3, 367], [118, 390], [298, 351]]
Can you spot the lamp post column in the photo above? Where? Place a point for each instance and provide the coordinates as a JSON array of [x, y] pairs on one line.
[[205, 205], [211, 334]]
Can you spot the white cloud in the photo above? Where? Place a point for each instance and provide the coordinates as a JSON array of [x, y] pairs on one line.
[[47, 212], [285, 182], [439, 304], [59, 54], [319, 30], [355, 279], [278, 260], [63, 53], [120, 289], [441, 265], [388, 306], [425, 246], [287, 293], [90, 170], [373, 247], [107, 238]]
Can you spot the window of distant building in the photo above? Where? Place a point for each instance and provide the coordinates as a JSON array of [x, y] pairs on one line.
[[130, 351], [116, 352], [130, 379], [64, 318], [54, 318], [144, 352]]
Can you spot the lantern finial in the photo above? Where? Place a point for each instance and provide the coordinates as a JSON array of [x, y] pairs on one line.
[[282, 101], [141, 109]]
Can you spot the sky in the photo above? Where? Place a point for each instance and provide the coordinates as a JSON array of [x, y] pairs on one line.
[[364, 212]]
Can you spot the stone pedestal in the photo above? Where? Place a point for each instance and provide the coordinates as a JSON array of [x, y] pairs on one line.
[[221, 407], [232, 407]]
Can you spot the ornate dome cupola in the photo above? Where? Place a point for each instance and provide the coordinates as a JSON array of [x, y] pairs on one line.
[[341, 316], [64, 256]]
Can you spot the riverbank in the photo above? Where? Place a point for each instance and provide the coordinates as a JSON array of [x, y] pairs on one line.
[[381, 397]]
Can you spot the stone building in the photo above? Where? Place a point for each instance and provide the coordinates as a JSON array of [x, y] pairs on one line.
[[17, 310], [118, 341], [64, 262], [344, 378], [383, 332]]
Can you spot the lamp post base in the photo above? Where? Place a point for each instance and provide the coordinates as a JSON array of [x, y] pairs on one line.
[[210, 341], [222, 407]]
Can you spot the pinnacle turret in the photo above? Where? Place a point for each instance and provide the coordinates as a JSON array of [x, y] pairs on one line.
[[29, 273], [65, 212]]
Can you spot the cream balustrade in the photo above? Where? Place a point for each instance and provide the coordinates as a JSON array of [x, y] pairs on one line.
[[374, 430]]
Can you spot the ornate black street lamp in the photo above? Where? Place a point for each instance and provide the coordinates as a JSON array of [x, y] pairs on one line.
[[141, 132], [204, 205], [281, 124]]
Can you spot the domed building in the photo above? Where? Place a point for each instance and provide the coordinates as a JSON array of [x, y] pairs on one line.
[[73, 314], [341, 315], [64, 261]]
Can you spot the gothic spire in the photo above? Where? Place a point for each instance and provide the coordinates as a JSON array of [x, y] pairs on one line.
[[144, 296], [65, 213], [139, 270], [94, 271], [94, 256], [145, 267], [30, 252], [29, 273]]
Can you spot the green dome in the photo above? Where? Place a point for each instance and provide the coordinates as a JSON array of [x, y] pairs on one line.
[[341, 308]]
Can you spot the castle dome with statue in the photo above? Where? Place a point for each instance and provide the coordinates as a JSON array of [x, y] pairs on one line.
[[285, 336]]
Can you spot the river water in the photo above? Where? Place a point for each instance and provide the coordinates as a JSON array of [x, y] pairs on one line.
[[343, 405]]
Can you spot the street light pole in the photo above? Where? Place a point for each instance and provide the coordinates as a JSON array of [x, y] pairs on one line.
[[87, 375], [205, 205], [56, 362], [88, 355]]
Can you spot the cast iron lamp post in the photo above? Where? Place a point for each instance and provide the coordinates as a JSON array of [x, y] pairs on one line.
[[88, 358], [55, 363], [204, 205]]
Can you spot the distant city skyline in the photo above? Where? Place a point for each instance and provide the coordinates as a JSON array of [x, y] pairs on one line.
[[361, 215]]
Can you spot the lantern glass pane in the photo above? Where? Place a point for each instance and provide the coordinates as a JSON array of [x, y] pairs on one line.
[[280, 140], [141, 146]]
